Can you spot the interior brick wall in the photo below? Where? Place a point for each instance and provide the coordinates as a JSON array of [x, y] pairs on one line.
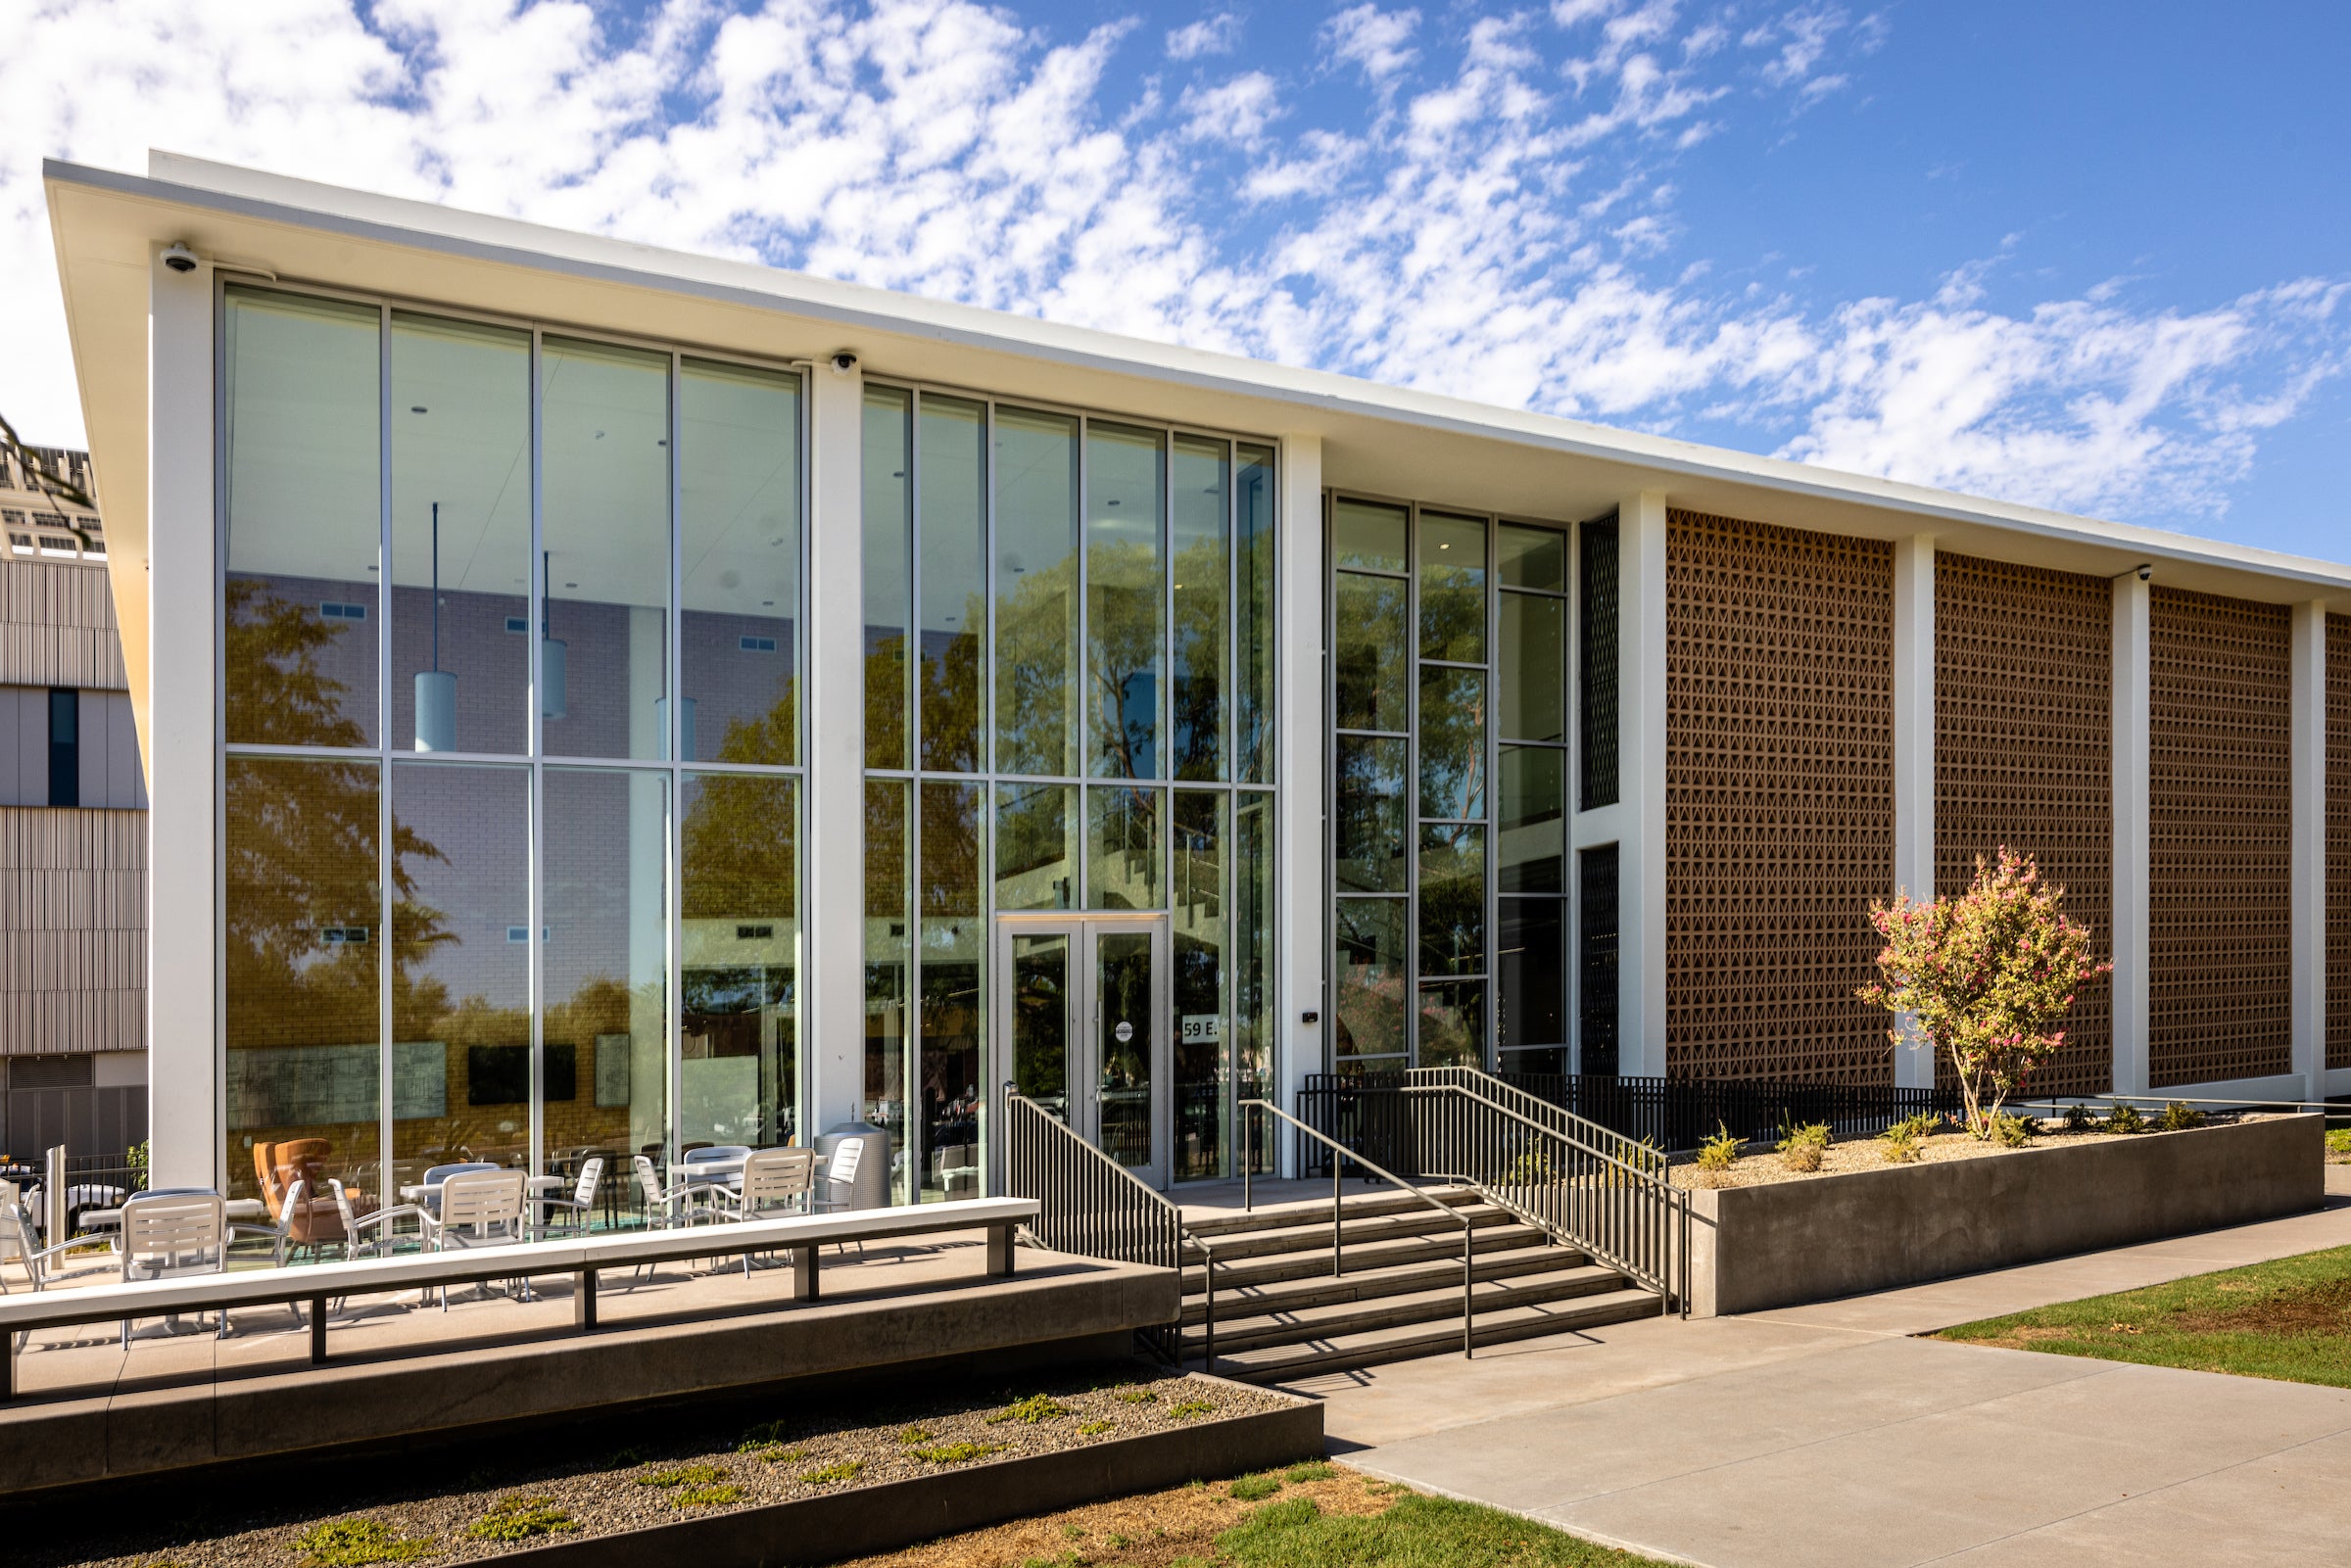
[[1778, 799], [2024, 758], [2219, 815]]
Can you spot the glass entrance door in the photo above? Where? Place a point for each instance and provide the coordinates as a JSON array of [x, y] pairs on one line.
[[1081, 1028]]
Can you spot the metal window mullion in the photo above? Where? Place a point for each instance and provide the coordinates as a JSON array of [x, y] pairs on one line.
[[985, 893], [672, 813], [803, 1062], [222, 448], [385, 866], [1328, 786], [1086, 667], [1412, 786], [536, 740], [1571, 876], [1490, 1049], [910, 816]]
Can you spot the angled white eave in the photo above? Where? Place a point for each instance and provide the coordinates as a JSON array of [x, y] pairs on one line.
[[1383, 440]]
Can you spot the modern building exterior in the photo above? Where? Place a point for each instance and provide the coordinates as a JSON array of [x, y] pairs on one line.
[[604, 698], [73, 832]]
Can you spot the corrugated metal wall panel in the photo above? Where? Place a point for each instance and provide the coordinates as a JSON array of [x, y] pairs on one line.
[[72, 930], [56, 626]]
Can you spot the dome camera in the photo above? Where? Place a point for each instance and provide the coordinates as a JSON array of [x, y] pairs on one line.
[[844, 360], [179, 259]]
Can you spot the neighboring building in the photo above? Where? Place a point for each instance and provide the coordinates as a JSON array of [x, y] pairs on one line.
[[610, 698], [72, 833]]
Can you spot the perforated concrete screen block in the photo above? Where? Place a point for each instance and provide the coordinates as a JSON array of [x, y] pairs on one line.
[[1778, 799], [2219, 818], [2024, 745]]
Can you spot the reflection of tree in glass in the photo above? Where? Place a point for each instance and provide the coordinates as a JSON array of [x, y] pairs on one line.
[[1121, 629], [950, 695], [1369, 814], [1036, 698], [1368, 648], [741, 850], [277, 695], [1453, 743], [885, 701], [1199, 695]]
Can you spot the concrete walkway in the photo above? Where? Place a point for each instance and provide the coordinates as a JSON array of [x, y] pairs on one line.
[[1825, 1436]]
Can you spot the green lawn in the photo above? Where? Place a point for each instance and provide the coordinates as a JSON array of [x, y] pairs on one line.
[[2288, 1319], [1416, 1531]]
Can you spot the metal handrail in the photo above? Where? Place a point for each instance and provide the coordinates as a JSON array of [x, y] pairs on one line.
[[1600, 1138], [1666, 1267], [1340, 1155], [1084, 1227]]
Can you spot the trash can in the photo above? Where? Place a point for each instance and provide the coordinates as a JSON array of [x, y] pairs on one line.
[[871, 1188]]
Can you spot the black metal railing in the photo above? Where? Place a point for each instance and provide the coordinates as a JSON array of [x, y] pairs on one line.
[[1620, 1212], [1336, 1158], [1666, 1114], [1093, 1207]]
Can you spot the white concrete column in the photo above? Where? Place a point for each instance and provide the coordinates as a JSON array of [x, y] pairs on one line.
[[2132, 655], [1641, 785], [1914, 756], [2309, 887], [185, 1070], [833, 819], [1302, 892]]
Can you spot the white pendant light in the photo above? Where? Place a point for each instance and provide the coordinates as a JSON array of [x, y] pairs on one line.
[[436, 688]]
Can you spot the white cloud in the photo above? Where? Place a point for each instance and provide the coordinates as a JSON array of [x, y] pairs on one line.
[[1499, 221], [1218, 34], [1238, 111], [1374, 39]]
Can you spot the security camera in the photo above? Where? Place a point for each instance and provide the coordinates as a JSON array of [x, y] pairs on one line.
[[845, 362], [2146, 570], [179, 259]]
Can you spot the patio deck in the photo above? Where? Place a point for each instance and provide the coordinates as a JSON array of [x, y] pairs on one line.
[[87, 1409]]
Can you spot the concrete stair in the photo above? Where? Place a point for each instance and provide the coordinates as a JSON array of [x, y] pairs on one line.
[[1281, 1315]]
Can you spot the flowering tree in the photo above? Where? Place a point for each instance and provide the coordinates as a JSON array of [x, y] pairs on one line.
[[1985, 976]]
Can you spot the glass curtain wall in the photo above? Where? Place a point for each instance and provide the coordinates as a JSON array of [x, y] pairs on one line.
[[511, 864], [1449, 697], [1066, 619]]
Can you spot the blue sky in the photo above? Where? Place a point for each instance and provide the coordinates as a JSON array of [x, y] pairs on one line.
[[2088, 256]]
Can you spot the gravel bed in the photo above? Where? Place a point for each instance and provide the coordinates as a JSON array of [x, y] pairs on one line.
[[1869, 1154], [597, 1477]]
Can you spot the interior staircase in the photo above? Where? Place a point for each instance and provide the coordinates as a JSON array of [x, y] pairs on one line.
[[1282, 1315]]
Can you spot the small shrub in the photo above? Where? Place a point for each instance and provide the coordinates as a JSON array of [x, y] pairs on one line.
[[1030, 1411], [1134, 1396], [2179, 1115], [1719, 1151], [1902, 1144], [2338, 1144], [956, 1452], [706, 1496], [1254, 1488], [1187, 1408], [2079, 1120], [1094, 1429], [357, 1543], [2124, 1118], [683, 1475], [776, 1454], [1921, 1124], [1310, 1470], [520, 1518], [846, 1470], [915, 1434], [1801, 1148], [2014, 1132], [622, 1458], [765, 1433]]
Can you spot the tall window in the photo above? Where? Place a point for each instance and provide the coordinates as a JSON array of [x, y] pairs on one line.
[[1069, 707], [512, 712], [1448, 670]]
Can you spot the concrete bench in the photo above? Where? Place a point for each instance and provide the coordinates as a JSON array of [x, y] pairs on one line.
[[800, 1235]]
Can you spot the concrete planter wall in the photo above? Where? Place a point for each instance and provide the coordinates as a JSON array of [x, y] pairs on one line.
[[862, 1520], [1753, 1248]]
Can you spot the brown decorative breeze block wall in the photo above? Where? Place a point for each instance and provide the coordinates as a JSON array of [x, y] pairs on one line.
[[1778, 799], [2024, 749], [2220, 855], [2338, 840]]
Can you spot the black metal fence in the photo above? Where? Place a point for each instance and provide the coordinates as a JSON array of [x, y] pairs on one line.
[[1367, 1112]]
